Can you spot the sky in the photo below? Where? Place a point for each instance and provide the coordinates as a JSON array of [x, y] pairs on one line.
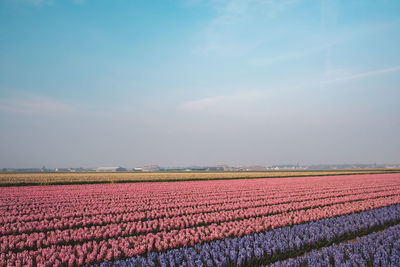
[[86, 83]]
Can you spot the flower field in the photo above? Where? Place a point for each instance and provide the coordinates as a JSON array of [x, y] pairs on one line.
[[58, 178], [299, 221]]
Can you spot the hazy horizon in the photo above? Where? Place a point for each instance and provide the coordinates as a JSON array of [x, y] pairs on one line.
[[191, 166], [87, 83]]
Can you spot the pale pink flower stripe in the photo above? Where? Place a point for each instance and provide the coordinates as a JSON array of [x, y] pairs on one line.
[[38, 211], [232, 212], [156, 202], [204, 214], [77, 208], [123, 220]]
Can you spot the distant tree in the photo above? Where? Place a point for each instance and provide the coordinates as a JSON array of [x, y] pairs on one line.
[[120, 169]]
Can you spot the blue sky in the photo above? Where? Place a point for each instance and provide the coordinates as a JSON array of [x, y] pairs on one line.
[[198, 82]]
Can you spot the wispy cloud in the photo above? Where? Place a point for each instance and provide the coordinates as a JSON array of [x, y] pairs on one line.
[[362, 75], [30, 104], [78, 2], [222, 33], [318, 43], [45, 2], [245, 101], [225, 103], [287, 56], [34, 2]]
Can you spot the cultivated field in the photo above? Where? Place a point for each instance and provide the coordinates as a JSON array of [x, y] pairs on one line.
[[7, 179], [346, 220]]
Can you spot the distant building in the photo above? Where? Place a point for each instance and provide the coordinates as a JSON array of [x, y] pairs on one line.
[[150, 168], [215, 169], [63, 170], [197, 169], [110, 169], [255, 168], [224, 167]]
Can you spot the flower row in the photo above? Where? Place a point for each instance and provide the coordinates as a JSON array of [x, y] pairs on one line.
[[376, 249], [288, 242], [75, 229], [26, 211], [129, 212], [88, 252], [171, 193]]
